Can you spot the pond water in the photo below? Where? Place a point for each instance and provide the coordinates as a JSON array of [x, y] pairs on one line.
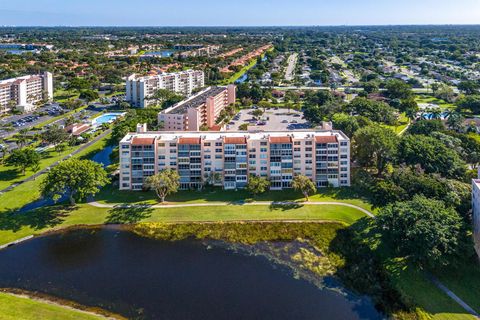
[[148, 279], [163, 53], [103, 157], [106, 118]]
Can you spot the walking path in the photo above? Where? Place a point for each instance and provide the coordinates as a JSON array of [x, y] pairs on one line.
[[216, 204], [452, 295], [39, 173]]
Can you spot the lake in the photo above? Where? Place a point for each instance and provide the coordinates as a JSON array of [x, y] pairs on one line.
[[143, 278]]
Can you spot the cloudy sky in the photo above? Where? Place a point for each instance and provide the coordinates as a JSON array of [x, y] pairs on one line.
[[237, 13]]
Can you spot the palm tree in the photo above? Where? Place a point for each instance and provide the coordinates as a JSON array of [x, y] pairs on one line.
[[455, 121], [3, 149], [22, 137]]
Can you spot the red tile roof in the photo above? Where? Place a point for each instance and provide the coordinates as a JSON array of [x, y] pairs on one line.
[[189, 141], [136, 141], [280, 139], [235, 140], [216, 128], [326, 139]]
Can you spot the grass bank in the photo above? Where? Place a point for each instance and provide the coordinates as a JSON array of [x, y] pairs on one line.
[[14, 307], [15, 226], [111, 195]]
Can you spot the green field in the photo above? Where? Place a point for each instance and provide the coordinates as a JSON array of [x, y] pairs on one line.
[[432, 100], [111, 195], [29, 191], [15, 226], [403, 123], [19, 308]]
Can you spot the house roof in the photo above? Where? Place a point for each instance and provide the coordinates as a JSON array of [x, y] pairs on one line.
[[235, 140], [136, 141], [190, 140], [280, 139], [326, 139]]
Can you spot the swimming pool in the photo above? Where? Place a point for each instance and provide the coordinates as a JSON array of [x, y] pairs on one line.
[[106, 118]]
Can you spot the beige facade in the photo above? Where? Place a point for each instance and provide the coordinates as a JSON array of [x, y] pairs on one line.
[[140, 89], [231, 157], [198, 111], [24, 92]]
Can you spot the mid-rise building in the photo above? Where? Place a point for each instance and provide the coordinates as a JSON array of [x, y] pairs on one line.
[[476, 213], [199, 111], [228, 159], [24, 92], [140, 89]]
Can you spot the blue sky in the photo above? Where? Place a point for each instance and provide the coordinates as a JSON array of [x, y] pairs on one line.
[[237, 12]]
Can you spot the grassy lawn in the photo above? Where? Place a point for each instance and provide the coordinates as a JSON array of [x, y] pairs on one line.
[[16, 308], [62, 95], [419, 291], [403, 122], [111, 194], [240, 73], [29, 191], [10, 175], [15, 226], [465, 282], [432, 100]]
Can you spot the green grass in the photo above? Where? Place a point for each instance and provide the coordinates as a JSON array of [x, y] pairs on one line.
[[62, 95], [111, 194], [403, 123], [465, 282], [420, 292], [19, 308], [15, 226], [29, 191], [10, 175], [240, 73], [430, 99]]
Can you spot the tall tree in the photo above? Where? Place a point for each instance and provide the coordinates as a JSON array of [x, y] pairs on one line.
[[375, 146], [54, 136], [304, 185], [257, 185], [164, 183], [75, 178], [23, 159], [422, 230]]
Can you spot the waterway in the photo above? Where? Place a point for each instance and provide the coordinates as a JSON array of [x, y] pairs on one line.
[[142, 278]]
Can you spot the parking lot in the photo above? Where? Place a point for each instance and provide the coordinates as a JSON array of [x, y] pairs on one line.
[[272, 120]]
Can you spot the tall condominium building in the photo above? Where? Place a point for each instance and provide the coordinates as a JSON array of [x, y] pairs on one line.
[[23, 92], [139, 89], [228, 159], [200, 110], [476, 213]]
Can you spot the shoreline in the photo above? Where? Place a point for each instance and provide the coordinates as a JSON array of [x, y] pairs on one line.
[[60, 302]]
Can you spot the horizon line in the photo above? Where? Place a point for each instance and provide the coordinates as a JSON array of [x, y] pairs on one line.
[[241, 26]]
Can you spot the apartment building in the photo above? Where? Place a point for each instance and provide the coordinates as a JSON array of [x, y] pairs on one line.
[[23, 92], [198, 111], [476, 213], [230, 158], [139, 89]]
